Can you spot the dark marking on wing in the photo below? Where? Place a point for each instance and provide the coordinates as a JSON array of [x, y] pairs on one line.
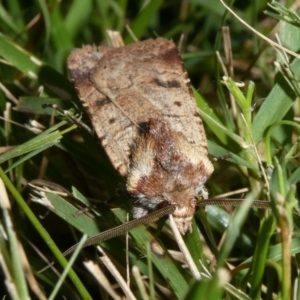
[[178, 103], [167, 84], [102, 102], [111, 120]]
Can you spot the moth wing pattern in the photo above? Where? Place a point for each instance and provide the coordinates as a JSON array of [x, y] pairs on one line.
[[122, 88]]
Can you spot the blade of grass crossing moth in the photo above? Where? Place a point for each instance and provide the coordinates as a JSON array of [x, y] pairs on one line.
[[162, 262]]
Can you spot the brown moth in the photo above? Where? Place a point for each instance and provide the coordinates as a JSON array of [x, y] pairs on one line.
[[142, 108]]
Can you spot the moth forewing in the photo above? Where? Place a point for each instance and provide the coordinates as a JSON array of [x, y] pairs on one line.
[[142, 108]]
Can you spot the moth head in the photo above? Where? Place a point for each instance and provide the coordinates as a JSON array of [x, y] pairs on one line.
[[183, 215]]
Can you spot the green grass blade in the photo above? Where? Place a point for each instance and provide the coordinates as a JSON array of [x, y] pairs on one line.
[[138, 26], [275, 106], [44, 140]]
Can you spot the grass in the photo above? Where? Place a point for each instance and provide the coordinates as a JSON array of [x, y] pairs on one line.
[[241, 253]]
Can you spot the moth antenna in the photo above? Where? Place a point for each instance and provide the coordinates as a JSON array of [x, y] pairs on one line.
[[262, 204], [71, 116], [119, 230]]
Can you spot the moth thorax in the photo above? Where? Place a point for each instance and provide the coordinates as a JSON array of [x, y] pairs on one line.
[[183, 217]]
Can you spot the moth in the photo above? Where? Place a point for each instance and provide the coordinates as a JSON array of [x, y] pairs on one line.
[[142, 108]]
